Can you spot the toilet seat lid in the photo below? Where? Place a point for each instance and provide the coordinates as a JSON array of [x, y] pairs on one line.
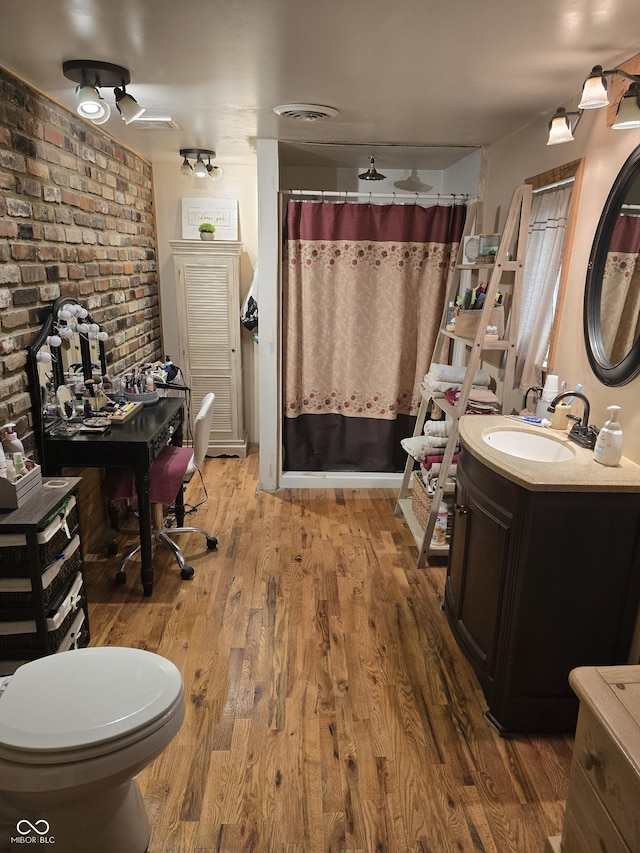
[[84, 697]]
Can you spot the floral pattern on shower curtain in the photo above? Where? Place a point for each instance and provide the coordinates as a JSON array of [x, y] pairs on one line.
[[364, 288], [620, 297]]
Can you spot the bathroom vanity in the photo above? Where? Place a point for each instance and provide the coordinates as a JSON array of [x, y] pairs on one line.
[[543, 574]]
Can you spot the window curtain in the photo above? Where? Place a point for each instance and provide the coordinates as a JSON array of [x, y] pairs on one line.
[[364, 287], [543, 262], [620, 296]]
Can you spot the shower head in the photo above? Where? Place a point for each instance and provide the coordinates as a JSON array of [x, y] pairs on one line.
[[372, 173]]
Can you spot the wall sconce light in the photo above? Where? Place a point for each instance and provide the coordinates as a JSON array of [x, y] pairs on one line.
[[560, 129], [199, 169], [628, 114], [92, 75], [372, 174], [594, 96]]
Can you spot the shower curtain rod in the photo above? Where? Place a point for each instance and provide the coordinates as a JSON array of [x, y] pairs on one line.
[[395, 196]]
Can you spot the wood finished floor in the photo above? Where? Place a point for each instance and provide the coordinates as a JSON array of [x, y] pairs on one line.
[[327, 706]]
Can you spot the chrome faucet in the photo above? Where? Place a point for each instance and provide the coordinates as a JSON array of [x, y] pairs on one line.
[[581, 433]]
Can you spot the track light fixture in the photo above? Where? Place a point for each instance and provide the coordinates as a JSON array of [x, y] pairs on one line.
[[199, 169], [594, 96], [372, 173], [91, 76]]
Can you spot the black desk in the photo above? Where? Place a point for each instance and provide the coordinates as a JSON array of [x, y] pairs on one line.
[[132, 445]]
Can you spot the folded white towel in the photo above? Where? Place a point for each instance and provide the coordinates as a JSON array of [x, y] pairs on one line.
[[452, 373], [436, 440], [442, 428], [415, 446]]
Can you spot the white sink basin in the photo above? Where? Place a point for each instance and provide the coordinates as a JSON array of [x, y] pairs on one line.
[[528, 445]]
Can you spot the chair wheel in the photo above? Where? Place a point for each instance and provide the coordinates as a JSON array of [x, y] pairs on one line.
[[187, 573], [212, 543], [121, 577], [112, 548]]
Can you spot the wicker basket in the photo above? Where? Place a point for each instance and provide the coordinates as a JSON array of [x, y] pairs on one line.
[[420, 500], [16, 557], [467, 322], [24, 598]]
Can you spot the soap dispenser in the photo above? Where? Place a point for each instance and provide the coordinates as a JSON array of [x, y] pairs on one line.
[[608, 449], [10, 441]]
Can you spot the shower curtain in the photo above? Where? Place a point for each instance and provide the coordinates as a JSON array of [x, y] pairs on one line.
[[364, 286], [620, 299]]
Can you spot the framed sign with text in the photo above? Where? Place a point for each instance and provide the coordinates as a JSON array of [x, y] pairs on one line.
[[221, 212]]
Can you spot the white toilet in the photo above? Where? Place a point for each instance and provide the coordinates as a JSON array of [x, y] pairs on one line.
[[75, 729]]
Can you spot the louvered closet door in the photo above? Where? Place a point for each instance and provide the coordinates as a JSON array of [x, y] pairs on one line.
[[209, 335]]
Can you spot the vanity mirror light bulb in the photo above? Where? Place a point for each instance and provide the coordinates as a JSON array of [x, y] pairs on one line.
[[44, 357], [83, 328], [54, 340], [64, 314], [82, 312], [94, 327], [103, 336], [66, 333]]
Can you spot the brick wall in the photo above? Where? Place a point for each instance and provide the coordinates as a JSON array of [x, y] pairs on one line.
[[76, 218]]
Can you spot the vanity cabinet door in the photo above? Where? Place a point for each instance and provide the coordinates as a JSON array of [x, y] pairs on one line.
[[476, 575]]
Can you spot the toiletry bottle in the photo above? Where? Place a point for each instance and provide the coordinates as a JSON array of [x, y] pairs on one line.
[[439, 535], [19, 464], [549, 391], [608, 449], [3, 463], [10, 440]]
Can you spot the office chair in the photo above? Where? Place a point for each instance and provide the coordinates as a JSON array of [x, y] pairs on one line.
[[170, 470]]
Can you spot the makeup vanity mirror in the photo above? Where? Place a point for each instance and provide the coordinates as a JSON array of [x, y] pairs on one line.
[[69, 349], [612, 294]]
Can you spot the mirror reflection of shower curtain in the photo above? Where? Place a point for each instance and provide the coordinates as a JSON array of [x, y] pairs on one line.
[[620, 297], [364, 288]]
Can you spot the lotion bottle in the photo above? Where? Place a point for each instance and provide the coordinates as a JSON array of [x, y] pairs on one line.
[[608, 449], [10, 441]]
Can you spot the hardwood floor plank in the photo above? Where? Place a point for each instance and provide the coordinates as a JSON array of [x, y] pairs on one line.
[[327, 705]]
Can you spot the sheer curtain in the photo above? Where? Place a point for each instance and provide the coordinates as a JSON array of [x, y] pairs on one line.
[[364, 286], [547, 230]]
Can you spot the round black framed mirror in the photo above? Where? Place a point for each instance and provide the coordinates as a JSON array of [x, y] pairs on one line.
[[611, 316]]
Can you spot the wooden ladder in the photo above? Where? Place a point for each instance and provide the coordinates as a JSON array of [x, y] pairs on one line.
[[514, 235]]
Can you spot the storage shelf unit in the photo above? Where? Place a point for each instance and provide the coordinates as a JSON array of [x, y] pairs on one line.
[[509, 260], [43, 607]]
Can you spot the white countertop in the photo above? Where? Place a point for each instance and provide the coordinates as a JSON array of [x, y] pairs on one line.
[[580, 474]]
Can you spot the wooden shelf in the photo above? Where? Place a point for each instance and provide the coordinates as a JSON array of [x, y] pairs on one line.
[[485, 345], [515, 236]]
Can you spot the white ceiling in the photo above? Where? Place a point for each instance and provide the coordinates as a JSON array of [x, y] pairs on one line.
[[411, 73]]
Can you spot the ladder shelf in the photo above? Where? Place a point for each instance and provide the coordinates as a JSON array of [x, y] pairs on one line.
[[514, 235]]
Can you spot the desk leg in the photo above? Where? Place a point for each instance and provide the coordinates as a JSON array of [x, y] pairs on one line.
[[144, 518]]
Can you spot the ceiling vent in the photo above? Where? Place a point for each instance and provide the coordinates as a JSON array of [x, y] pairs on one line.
[[305, 112], [151, 123]]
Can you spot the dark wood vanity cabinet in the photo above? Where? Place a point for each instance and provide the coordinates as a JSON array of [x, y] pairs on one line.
[[539, 582]]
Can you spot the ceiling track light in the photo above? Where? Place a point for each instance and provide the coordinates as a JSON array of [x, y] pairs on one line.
[[595, 95], [92, 75], [372, 173], [199, 169]]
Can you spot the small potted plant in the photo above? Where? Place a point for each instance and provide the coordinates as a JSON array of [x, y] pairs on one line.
[[207, 231]]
